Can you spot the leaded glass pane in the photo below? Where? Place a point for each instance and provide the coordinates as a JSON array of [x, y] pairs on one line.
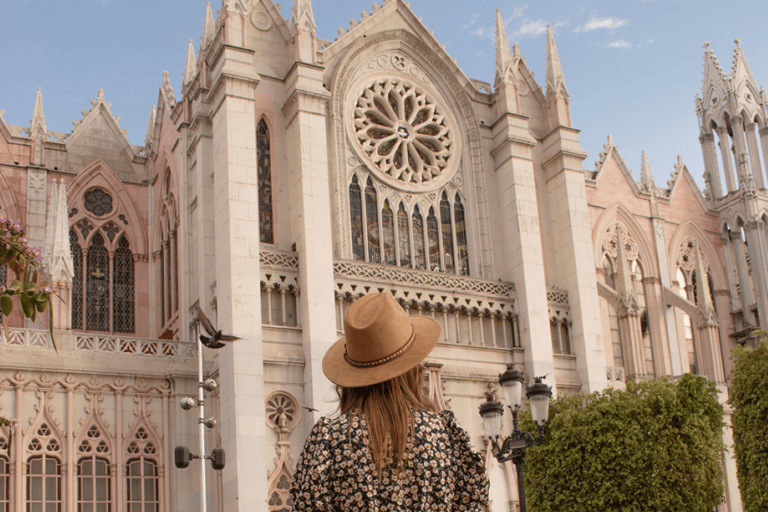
[[93, 481], [142, 488], [43, 484], [356, 220], [123, 285], [433, 240], [161, 280], [418, 239], [461, 237], [175, 272], [447, 229], [97, 286], [403, 237], [5, 476], [265, 183], [372, 218], [98, 202], [77, 280], [388, 232]]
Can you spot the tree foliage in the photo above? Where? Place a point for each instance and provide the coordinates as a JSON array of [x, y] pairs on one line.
[[655, 447], [749, 398]]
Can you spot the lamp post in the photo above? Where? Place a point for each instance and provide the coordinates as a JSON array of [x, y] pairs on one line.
[[513, 447]]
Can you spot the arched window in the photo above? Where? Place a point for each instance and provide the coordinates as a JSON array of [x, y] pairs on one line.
[[403, 238], [77, 280], [372, 220], [418, 239], [43, 471], [143, 483], [123, 287], [264, 183], [93, 485], [97, 286], [688, 292], [356, 220], [5, 477], [167, 258], [447, 229], [388, 234], [461, 237], [433, 240], [638, 281], [613, 318]]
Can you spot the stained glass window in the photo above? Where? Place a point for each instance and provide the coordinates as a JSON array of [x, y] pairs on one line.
[[461, 237], [43, 484], [123, 287], [403, 238], [265, 183], [94, 493], [161, 279], [433, 240], [175, 267], [356, 220], [388, 233], [77, 280], [372, 219], [447, 229], [97, 286], [418, 239], [98, 202]]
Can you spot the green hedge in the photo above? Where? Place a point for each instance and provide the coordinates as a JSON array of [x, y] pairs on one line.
[[655, 447], [749, 398]]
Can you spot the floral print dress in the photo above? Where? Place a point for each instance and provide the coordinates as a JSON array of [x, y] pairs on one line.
[[441, 471]]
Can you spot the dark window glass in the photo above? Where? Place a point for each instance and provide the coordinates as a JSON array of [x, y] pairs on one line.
[[461, 237], [403, 237], [5, 479], [43, 484], [98, 202], [77, 280], [418, 239], [356, 220], [97, 286], [265, 183], [447, 229], [433, 240], [161, 280], [94, 493], [388, 233], [142, 486], [123, 317], [372, 219]]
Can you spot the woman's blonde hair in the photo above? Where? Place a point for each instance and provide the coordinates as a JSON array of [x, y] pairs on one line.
[[387, 409]]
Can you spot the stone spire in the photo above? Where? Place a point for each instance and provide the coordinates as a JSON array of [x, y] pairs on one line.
[[555, 78], [646, 176], [504, 60], [557, 93], [208, 28], [167, 90], [191, 66], [740, 71], [58, 257], [150, 126], [37, 127], [304, 31], [53, 202]]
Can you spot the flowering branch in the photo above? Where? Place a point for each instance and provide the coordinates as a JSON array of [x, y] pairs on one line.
[[11, 423], [26, 262]]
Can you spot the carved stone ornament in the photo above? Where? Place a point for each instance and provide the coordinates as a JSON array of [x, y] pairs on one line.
[[610, 243], [261, 20], [282, 411], [402, 131]]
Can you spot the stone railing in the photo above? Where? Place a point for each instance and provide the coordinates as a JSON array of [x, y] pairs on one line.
[[137, 346], [475, 312], [279, 288], [614, 373], [27, 338]]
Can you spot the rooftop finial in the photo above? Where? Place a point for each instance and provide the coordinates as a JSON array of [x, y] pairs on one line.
[[555, 78], [504, 60], [38, 118], [191, 65], [646, 176]]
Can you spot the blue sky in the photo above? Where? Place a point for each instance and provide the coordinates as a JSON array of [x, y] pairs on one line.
[[632, 67]]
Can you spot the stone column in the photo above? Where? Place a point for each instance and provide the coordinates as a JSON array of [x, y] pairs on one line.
[[305, 111], [754, 156], [707, 141], [575, 264], [725, 152], [756, 244], [746, 290], [675, 347], [521, 235], [763, 132], [236, 241], [631, 341], [740, 150]]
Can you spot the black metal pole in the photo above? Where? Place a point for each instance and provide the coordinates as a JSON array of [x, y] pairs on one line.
[[520, 482]]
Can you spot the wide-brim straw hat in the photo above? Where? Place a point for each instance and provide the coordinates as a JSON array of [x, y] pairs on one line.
[[381, 342]]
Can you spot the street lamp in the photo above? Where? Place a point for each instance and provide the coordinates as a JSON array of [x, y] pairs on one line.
[[513, 447]]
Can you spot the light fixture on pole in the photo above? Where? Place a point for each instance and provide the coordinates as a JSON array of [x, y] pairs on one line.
[[513, 447]]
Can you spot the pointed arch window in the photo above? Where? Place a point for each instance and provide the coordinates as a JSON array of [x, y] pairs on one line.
[[97, 286], [356, 220], [372, 219], [264, 183], [167, 264], [77, 280], [446, 226], [143, 483], [123, 317], [403, 239], [433, 240], [43, 472], [613, 318], [418, 239], [93, 484], [388, 234], [5, 477], [461, 237]]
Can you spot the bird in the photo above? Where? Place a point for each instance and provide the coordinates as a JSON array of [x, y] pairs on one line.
[[215, 337], [310, 409]]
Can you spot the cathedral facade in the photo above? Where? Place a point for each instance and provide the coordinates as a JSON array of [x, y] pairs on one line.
[[292, 175]]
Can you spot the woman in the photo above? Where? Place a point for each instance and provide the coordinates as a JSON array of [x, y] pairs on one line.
[[389, 450]]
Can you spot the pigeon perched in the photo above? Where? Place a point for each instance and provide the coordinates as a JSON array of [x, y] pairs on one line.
[[214, 338]]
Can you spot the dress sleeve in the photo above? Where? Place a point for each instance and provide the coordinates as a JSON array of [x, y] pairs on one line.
[[311, 490], [472, 483]]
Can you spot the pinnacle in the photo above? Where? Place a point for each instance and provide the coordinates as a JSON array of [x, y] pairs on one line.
[[208, 27], [191, 66], [503, 57], [555, 78], [646, 176], [38, 118]]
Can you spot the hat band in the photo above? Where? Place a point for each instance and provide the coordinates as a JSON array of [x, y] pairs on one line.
[[378, 362]]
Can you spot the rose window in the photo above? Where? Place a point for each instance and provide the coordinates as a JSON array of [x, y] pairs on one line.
[[403, 131]]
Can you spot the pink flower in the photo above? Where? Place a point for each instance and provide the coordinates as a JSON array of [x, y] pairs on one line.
[[13, 423]]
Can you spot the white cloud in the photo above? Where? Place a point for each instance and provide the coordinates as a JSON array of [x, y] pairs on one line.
[[610, 23], [480, 32], [518, 12], [531, 28], [471, 22], [619, 43], [651, 41]]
